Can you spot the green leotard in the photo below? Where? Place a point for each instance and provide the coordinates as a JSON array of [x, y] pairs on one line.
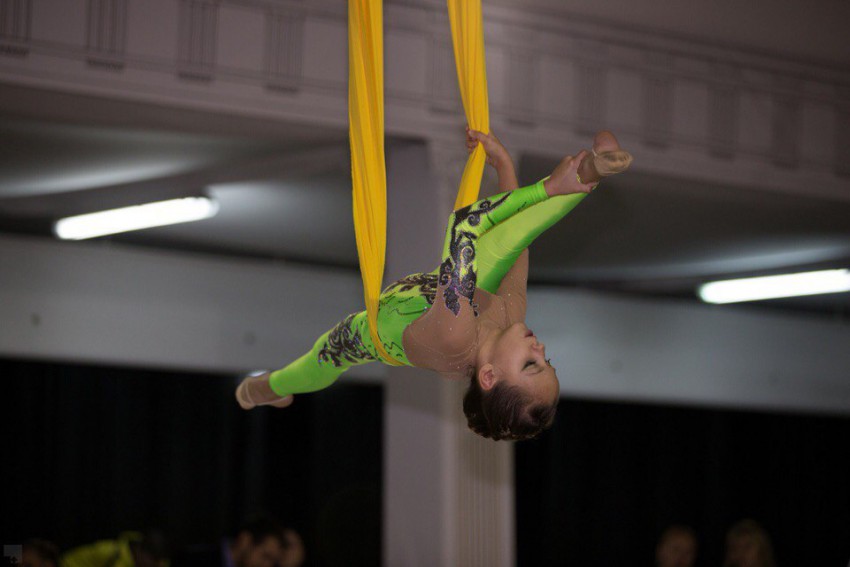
[[482, 242]]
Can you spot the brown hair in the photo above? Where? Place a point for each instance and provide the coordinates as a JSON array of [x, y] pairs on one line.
[[505, 412], [676, 530], [750, 529]]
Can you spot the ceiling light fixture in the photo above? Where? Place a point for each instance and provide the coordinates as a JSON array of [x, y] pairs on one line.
[[772, 287], [137, 217]]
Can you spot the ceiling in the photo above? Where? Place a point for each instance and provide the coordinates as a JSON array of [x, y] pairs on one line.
[[642, 234], [802, 31]]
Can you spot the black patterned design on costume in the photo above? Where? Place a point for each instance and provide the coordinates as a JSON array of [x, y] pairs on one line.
[[344, 344], [426, 284], [457, 272]]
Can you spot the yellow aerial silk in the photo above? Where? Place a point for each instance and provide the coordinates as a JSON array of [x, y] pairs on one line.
[[366, 134], [468, 42], [366, 131]]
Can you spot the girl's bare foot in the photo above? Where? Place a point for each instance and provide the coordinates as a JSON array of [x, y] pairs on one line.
[[607, 159], [255, 391], [605, 141]]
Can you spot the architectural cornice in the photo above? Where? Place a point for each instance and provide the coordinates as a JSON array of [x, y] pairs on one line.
[[683, 105]]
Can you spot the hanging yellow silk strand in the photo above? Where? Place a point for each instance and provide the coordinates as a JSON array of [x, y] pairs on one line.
[[468, 42], [366, 131], [368, 168]]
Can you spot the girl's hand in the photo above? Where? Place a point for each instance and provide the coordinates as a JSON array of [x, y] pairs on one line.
[[497, 155], [564, 179]]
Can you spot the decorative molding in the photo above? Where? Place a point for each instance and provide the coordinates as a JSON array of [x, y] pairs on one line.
[[15, 27], [591, 87], [197, 39], [448, 164], [284, 49], [842, 132], [658, 99], [723, 111], [106, 38], [442, 81], [596, 61], [591, 92], [786, 125], [522, 73]]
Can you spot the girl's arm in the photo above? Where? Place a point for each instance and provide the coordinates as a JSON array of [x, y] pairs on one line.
[[450, 325], [497, 156], [563, 181], [513, 288]]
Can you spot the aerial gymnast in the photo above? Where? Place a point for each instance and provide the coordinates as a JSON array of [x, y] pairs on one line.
[[466, 319]]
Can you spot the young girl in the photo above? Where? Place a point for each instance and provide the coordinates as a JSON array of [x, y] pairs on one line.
[[466, 319]]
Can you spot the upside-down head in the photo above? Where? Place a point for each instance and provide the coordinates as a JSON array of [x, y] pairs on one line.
[[513, 392]]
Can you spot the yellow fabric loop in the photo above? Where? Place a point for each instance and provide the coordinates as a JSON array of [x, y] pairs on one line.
[[366, 134], [468, 42]]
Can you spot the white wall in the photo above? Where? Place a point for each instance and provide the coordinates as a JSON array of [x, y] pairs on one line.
[[682, 352], [91, 302]]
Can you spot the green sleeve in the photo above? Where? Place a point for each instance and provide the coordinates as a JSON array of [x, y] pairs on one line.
[[498, 249], [477, 219], [459, 271]]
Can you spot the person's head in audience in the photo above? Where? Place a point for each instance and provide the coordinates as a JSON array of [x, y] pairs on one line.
[[39, 553], [293, 553], [149, 549], [258, 543], [748, 545], [677, 547]]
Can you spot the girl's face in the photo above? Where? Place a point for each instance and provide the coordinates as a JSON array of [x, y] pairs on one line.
[[521, 361]]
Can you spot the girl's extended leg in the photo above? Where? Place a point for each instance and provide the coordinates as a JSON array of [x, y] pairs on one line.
[[344, 346], [484, 239], [499, 247]]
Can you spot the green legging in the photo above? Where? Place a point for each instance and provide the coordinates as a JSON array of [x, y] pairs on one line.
[[482, 242]]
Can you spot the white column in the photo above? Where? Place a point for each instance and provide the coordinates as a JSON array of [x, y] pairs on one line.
[[448, 494]]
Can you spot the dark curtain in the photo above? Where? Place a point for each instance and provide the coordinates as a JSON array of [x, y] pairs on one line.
[[602, 484], [89, 451]]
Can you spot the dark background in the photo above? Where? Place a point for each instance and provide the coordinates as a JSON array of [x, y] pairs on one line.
[[604, 482], [89, 451]]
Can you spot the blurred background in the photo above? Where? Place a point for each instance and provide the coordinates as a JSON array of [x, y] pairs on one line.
[[687, 433]]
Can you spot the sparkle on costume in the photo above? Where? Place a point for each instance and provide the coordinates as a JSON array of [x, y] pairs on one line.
[[458, 273], [424, 284], [344, 344]]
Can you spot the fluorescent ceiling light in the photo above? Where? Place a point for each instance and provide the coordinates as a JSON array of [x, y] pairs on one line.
[[137, 217], [772, 287]]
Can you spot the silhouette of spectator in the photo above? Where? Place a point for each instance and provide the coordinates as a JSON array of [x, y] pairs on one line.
[[748, 545], [131, 549], [677, 547], [259, 543], [12, 556], [40, 553], [293, 553]]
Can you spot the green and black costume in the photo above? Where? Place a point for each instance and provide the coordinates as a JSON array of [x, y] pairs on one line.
[[482, 242]]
